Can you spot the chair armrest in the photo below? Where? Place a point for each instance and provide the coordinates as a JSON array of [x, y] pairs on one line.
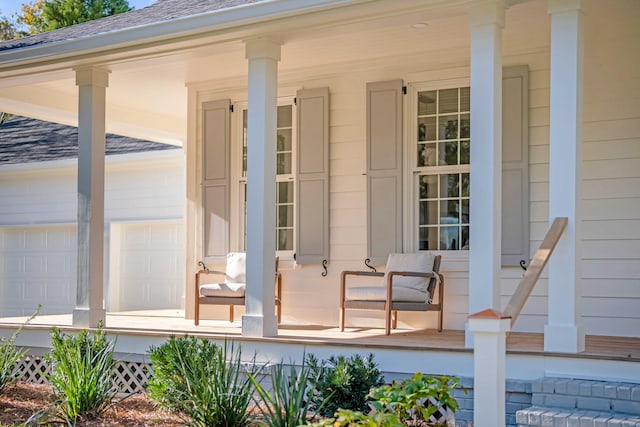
[[428, 275], [343, 279]]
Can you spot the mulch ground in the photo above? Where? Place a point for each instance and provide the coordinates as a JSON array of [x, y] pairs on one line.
[[22, 400]]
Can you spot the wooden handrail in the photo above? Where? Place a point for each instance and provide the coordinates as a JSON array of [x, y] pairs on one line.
[[539, 261]]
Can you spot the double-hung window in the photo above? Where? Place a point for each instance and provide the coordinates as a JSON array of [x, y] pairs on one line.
[[285, 179], [440, 164]]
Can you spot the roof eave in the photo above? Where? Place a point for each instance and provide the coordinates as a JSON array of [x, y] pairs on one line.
[[224, 20]]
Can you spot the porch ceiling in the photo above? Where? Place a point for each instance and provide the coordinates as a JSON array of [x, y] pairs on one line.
[[147, 95]]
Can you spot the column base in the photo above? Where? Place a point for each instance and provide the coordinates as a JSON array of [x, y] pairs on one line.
[[468, 336], [88, 318], [259, 325], [563, 338]]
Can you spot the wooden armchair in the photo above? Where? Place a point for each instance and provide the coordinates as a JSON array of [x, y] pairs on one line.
[[408, 285], [231, 291]]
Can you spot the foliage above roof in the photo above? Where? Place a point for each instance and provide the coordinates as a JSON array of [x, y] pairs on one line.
[[25, 140]]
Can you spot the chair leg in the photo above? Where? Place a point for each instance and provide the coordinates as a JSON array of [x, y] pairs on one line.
[[342, 319], [394, 324], [196, 312], [440, 320], [387, 326], [231, 313]]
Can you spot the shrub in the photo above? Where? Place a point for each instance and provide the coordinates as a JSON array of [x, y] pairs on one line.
[[286, 405], [193, 376], [82, 373], [345, 417], [343, 382], [10, 355], [416, 400]]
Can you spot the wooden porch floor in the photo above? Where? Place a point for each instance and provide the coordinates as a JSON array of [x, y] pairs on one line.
[[172, 322]]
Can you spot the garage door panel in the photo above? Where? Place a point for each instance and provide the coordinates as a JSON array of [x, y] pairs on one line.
[[13, 264]]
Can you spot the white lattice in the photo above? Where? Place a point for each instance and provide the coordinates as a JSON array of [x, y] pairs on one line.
[[129, 377], [33, 369]]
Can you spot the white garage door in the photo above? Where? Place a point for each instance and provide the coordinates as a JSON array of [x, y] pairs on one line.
[[147, 266], [37, 266]]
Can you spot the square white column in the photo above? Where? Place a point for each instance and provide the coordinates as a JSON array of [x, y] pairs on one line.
[[486, 22], [92, 83], [563, 332], [259, 319]]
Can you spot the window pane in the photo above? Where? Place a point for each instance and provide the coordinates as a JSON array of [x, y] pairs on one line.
[[449, 238], [465, 126], [464, 216], [450, 155], [465, 238], [449, 185], [284, 116], [284, 140], [448, 127], [426, 103], [449, 212], [428, 213], [448, 101], [429, 187], [428, 239], [284, 164], [465, 185], [285, 216], [465, 154], [427, 154], [285, 240], [284, 192], [465, 99], [426, 129]]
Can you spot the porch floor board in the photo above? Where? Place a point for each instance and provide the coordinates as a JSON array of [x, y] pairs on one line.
[[172, 322]]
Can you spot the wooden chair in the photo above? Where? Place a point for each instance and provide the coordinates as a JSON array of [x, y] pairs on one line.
[[408, 285], [231, 291]]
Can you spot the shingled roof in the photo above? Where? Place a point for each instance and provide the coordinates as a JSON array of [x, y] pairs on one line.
[[162, 10], [25, 140]]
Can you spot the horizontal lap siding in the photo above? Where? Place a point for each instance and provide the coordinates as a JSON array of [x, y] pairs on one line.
[[611, 173]]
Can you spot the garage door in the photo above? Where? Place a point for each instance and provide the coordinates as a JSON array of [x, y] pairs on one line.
[[37, 266], [147, 266]]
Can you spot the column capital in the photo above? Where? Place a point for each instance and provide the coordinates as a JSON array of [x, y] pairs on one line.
[[92, 76], [267, 48], [563, 6], [487, 12]]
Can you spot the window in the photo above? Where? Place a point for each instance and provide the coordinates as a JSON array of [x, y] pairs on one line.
[[285, 178], [441, 167]]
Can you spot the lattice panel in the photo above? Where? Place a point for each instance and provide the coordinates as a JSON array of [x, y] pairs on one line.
[[132, 377], [129, 377], [33, 369]]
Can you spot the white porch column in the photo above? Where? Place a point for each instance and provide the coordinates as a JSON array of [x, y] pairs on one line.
[[564, 332], [486, 21], [259, 319], [489, 367], [92, 83]]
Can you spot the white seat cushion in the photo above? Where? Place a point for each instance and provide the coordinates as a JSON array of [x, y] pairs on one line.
[[222, 290], [379, 293], [236, 269], [420, 262]]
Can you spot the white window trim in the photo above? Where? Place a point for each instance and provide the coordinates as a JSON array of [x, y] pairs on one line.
[[237, 203], [410, 196]]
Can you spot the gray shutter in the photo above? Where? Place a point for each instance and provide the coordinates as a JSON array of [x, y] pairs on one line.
[[515, 165], [215, 177], [384, 170], [312, 186]]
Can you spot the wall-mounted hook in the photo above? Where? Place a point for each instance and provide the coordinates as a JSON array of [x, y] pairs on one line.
[[366, 262], [522, 264], [204, 267], [324, 265]]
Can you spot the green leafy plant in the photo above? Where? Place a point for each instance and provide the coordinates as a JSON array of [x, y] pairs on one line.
[[346, 417], [343, 382], [415, 399], [207, 383], [286, 405], [82, 373], [10, 355]]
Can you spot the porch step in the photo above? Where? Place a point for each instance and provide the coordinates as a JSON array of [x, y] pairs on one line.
[[562, 402]]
